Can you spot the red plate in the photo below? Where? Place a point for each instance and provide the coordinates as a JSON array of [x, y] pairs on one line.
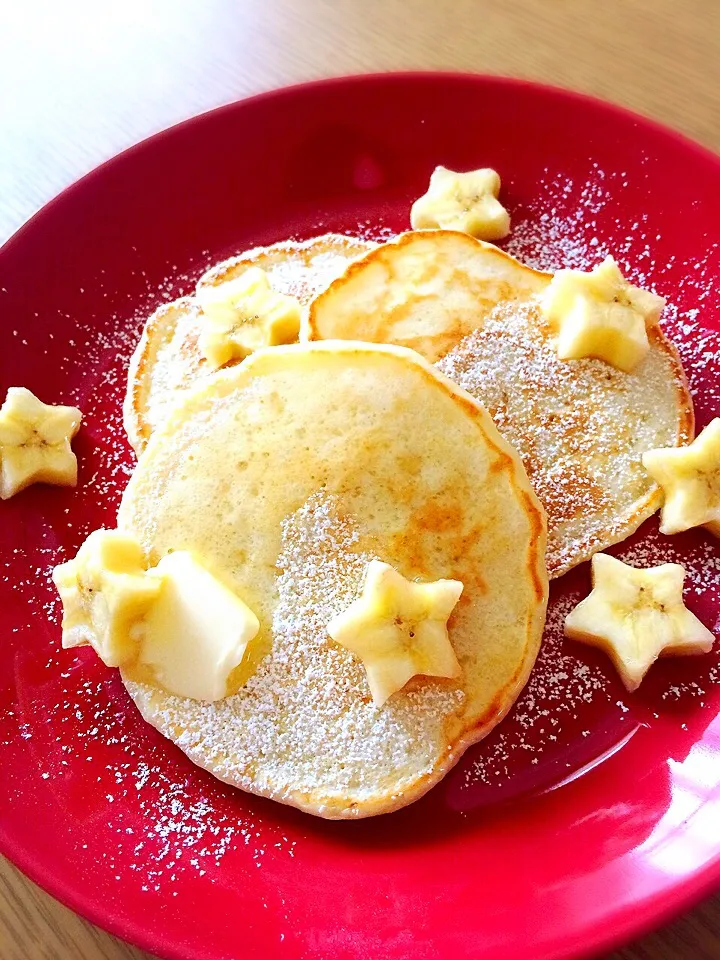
[[589, 815]]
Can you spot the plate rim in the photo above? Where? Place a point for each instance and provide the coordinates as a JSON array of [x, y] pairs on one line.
[[518, 83], [653, 911]]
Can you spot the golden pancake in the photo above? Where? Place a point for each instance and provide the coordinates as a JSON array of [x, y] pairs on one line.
[[426, 290], [167, 360], [285, 475], [580, 426]]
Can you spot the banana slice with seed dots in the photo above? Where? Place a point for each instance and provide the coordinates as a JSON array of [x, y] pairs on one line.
[[599, 314], [467, 202], [636, 616], [244, 314], [35, 442], [105, 594], [690, 479], [398, 628]]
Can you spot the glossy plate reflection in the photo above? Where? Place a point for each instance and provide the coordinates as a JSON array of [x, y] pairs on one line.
[[588, 815]]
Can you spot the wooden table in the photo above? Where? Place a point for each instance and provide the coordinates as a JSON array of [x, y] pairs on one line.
[[81, 80]]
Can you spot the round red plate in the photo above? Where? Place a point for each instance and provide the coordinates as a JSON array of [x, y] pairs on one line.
[[589, 815]]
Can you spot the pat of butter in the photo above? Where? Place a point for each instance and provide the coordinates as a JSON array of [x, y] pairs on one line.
[[197, 630]]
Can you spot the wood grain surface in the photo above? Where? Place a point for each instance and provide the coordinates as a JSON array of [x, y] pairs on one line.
[[80, 80]]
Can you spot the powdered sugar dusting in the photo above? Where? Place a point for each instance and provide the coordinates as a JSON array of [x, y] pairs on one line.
[[563, 227], [579, 427], [165, 824], [699, 350], [696, 552], [301, 269], [175, 819], [305, 721], [375, 232], [561, 230]]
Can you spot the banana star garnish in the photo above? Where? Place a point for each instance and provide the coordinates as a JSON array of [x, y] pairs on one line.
[[244, 314], [690, 479], [35, 442], [105, 594], [636, 616], [599, 314], [467, 202], [398, 628]]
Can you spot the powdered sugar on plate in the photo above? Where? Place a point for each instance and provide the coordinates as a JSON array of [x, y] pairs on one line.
[[560, 229], [572, 692]]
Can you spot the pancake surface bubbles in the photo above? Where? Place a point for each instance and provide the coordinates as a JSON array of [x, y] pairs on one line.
[[286, 475]]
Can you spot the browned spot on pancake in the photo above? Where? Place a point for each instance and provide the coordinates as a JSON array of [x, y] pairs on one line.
[[420, 681], [194, 359], [448, 552], [438, 516], [499, 465], [537, 535], [411, 263], [567, 495]]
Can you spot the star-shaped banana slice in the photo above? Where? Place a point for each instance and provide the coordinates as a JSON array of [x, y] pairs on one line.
[[244, 314], [636, 616], [398, 628], [105, 594], [467, 202], [599, 314], [690, 479], [35, 442]]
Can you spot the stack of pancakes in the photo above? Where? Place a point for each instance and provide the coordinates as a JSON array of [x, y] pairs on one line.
[[425, 421]]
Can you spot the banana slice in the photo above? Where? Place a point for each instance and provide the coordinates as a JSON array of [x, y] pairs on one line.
[[398, 628], [35, 442], [176, 618], [690, 479], [636, 616], [467, 202], [244, 314], [197, 631], [106, 594], [599, 314]]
